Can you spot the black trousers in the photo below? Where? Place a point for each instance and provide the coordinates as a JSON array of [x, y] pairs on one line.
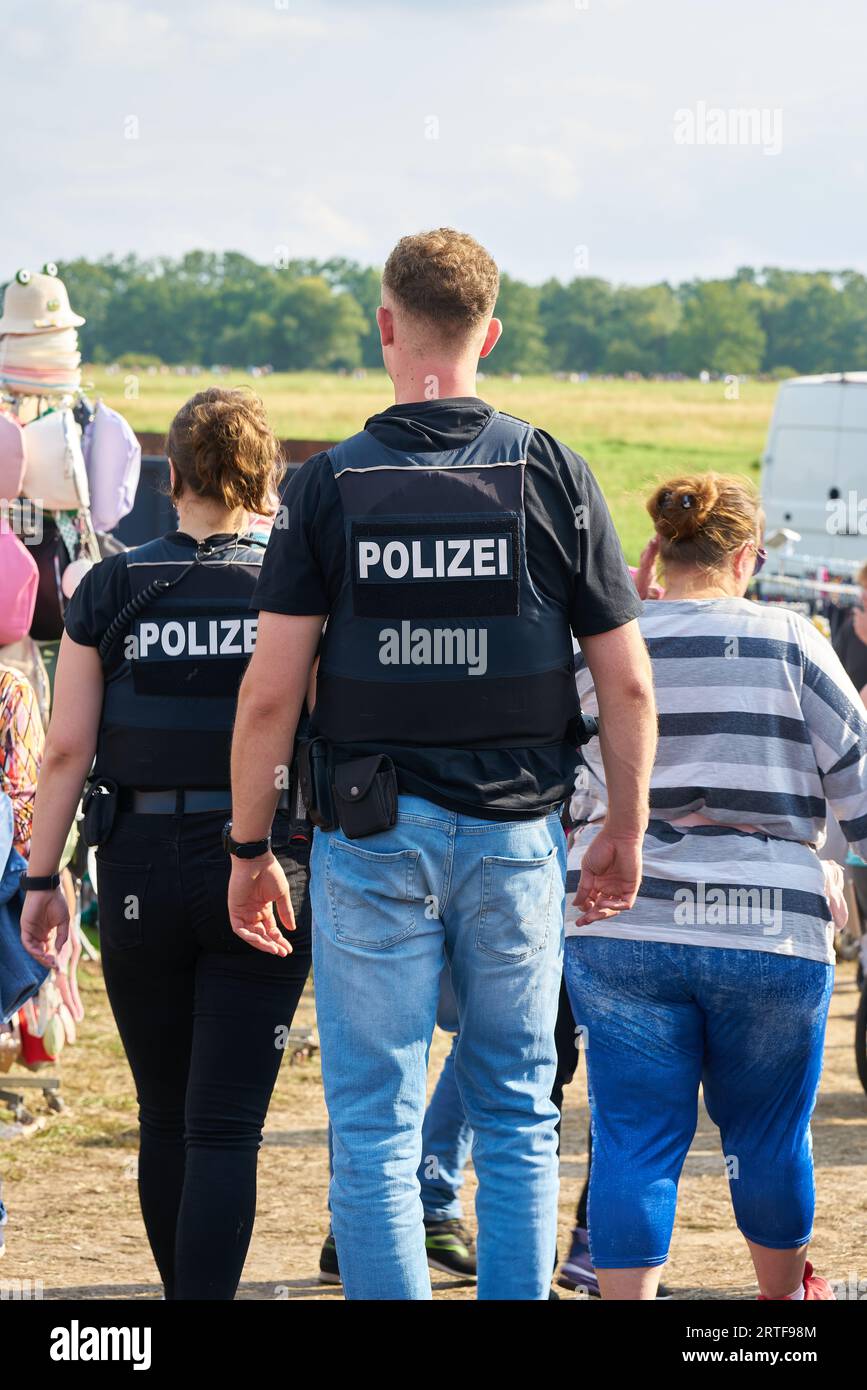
[[859, 879], [567, 1064], [200, 1014]]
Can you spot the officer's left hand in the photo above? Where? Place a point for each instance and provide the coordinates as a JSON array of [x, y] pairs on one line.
[[256, 887]]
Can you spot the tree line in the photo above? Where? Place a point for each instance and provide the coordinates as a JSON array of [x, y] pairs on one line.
[[208, 308]]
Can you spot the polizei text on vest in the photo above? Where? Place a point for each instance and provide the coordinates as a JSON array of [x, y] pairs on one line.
[[478, 557], [192, 637]]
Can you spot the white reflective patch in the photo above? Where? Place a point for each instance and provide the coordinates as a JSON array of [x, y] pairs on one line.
[[190, 637], [368, 554], [429, 557], [395, 560]]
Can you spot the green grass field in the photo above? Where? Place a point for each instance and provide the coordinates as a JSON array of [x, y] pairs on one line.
[[632, 434]]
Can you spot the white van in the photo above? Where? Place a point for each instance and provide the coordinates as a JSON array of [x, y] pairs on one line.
[[814, 468]]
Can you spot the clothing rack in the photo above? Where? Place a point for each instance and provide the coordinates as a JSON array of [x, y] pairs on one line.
[[811, 591], [12, 1084], [48, 1085]]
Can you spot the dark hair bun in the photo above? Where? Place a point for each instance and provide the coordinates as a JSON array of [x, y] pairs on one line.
[[681, 509]]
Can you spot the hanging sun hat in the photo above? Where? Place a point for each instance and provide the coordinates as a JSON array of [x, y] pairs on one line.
[[57, 347], [36, 364], [11, 457], [36, 302], [54, 473]]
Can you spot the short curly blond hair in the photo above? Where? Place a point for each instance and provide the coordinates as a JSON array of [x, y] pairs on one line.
[[444, 277]]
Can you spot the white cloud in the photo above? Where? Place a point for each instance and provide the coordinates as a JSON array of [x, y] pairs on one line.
[[317, 224], [549, 171]]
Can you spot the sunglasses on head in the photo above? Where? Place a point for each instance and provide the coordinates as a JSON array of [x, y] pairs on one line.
[[761, 557]]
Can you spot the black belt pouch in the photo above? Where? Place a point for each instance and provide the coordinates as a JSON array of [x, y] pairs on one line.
[[365, 796], [100, 806]]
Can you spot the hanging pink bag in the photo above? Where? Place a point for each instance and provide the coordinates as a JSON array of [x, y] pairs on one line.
[[19, 578]]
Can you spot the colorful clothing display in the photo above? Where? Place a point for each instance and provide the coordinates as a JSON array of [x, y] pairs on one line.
[[21, 743]]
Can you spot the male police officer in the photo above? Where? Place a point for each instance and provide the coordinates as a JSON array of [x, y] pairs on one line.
[[454, 551]]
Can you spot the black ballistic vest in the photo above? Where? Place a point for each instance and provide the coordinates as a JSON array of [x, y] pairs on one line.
[[171, 685], [438, 636]]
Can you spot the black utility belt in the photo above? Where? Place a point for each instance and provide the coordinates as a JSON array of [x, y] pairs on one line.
[[103, 801], [183, 801], [360, 796]]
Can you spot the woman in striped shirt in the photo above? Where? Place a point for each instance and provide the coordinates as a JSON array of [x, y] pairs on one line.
[[721, 973]]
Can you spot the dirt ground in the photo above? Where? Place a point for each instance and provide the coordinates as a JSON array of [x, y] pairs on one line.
[[74, 1221]]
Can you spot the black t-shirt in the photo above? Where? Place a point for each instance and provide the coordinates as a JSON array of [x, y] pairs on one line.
[[105, 590], [849, 647], [573, 555], [97, 600]]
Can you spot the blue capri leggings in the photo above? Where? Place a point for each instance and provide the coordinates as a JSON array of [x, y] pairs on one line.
[[660, 1020]]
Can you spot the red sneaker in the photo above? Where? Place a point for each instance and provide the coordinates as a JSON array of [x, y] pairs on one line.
[[815, 1287]]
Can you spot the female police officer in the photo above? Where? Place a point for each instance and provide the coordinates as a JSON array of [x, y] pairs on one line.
[[156, 642]]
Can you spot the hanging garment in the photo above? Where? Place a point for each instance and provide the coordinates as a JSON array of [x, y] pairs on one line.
[[112, 455], [22, 743], [11, 457], [19, 580], [25, 657], [52, 558], [42, 1031], [55, 475], [20, 975]]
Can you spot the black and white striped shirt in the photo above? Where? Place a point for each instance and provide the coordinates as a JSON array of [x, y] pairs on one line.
[[759, 725]]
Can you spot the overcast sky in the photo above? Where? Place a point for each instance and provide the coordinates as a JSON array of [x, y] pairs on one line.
[[541, 126]]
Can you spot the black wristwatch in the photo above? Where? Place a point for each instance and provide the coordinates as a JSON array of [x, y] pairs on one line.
[[33, 884], [244, 849]]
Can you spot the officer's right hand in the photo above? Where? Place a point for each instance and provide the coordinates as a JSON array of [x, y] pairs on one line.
[[610, 877], [45, 926], [256, 888]]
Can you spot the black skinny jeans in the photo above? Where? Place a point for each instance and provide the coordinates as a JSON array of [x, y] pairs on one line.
[[567, 1064], [199, 1013]]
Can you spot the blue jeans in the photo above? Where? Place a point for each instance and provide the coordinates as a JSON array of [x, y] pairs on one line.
[[446, 1138], [389, 911], [662, 1019]]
